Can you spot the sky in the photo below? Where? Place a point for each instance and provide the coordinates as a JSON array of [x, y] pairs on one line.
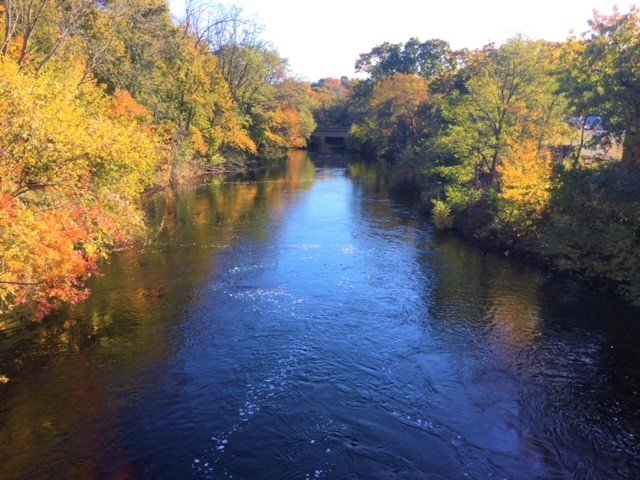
[[323, 38]]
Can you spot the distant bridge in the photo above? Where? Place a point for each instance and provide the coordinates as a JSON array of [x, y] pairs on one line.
[[329, 137]]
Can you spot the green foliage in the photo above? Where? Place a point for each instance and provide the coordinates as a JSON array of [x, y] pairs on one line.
[[460, 198], [441, 214], [595, 217], [512, 98], [485, 146], [429, 59], [602, 76]]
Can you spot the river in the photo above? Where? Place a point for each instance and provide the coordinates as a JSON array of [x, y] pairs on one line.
[[302, 324]]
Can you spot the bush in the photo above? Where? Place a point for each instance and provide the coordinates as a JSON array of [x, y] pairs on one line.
[[441, 214]]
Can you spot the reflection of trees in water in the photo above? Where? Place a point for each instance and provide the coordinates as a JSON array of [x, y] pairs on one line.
[[568, 357], [56, 391], [371, 193], [372, 177], [495, 299]]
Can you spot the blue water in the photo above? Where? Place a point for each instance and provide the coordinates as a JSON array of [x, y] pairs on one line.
[[302, 324]]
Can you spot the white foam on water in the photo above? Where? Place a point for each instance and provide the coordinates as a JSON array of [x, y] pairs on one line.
[[308, 246], [260, 294], [257, 396]]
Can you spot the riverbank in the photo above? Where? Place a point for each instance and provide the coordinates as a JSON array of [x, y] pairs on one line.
[[528, 146], [587, 230]]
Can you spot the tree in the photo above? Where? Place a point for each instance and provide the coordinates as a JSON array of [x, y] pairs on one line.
[[36, 30], [73, 164], [251, 71], [526, 184], [292, 123], [512, 96], [395, 106], [330, 98], [603, 77], [428, 59]]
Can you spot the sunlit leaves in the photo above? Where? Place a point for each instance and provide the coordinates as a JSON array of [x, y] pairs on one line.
[[526, 185], [394, 118], [602, 76], [72, 172], [512, 95]]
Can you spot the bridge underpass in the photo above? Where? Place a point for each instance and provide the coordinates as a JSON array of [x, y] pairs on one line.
[[329, 138]]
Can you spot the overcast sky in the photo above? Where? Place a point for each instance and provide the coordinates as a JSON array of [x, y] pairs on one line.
[[323, 38]]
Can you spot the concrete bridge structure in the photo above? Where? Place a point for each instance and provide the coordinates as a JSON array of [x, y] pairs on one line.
[[329, 137]]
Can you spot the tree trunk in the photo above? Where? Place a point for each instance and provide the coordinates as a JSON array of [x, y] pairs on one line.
[[8, 26], [631, 146]]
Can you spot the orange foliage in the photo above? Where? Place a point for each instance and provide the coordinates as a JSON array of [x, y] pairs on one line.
[[286, 128], [71, 174], [400, 95], [7, 205], [396, 102], [16, 47], [125, 106]]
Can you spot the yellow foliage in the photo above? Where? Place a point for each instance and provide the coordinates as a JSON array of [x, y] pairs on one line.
[[197, 142], [396, 103], [400, 94], [441, 215], [286, 129], [71, 173], [207, 96], [526, 182]]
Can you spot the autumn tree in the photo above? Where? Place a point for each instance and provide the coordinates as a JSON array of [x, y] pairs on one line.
[[291, 123], [512, 96], [526, 184], [330, 101], [602, 76], [73, 167], [36, 31], [395, 106]]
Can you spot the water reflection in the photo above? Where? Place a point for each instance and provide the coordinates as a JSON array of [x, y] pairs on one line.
[[57, 405], [553, 341], [301, 323]]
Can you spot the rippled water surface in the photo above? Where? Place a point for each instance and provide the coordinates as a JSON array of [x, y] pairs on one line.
[[304, 325]]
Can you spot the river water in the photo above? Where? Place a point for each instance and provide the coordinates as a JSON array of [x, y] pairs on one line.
[[302, 324]]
